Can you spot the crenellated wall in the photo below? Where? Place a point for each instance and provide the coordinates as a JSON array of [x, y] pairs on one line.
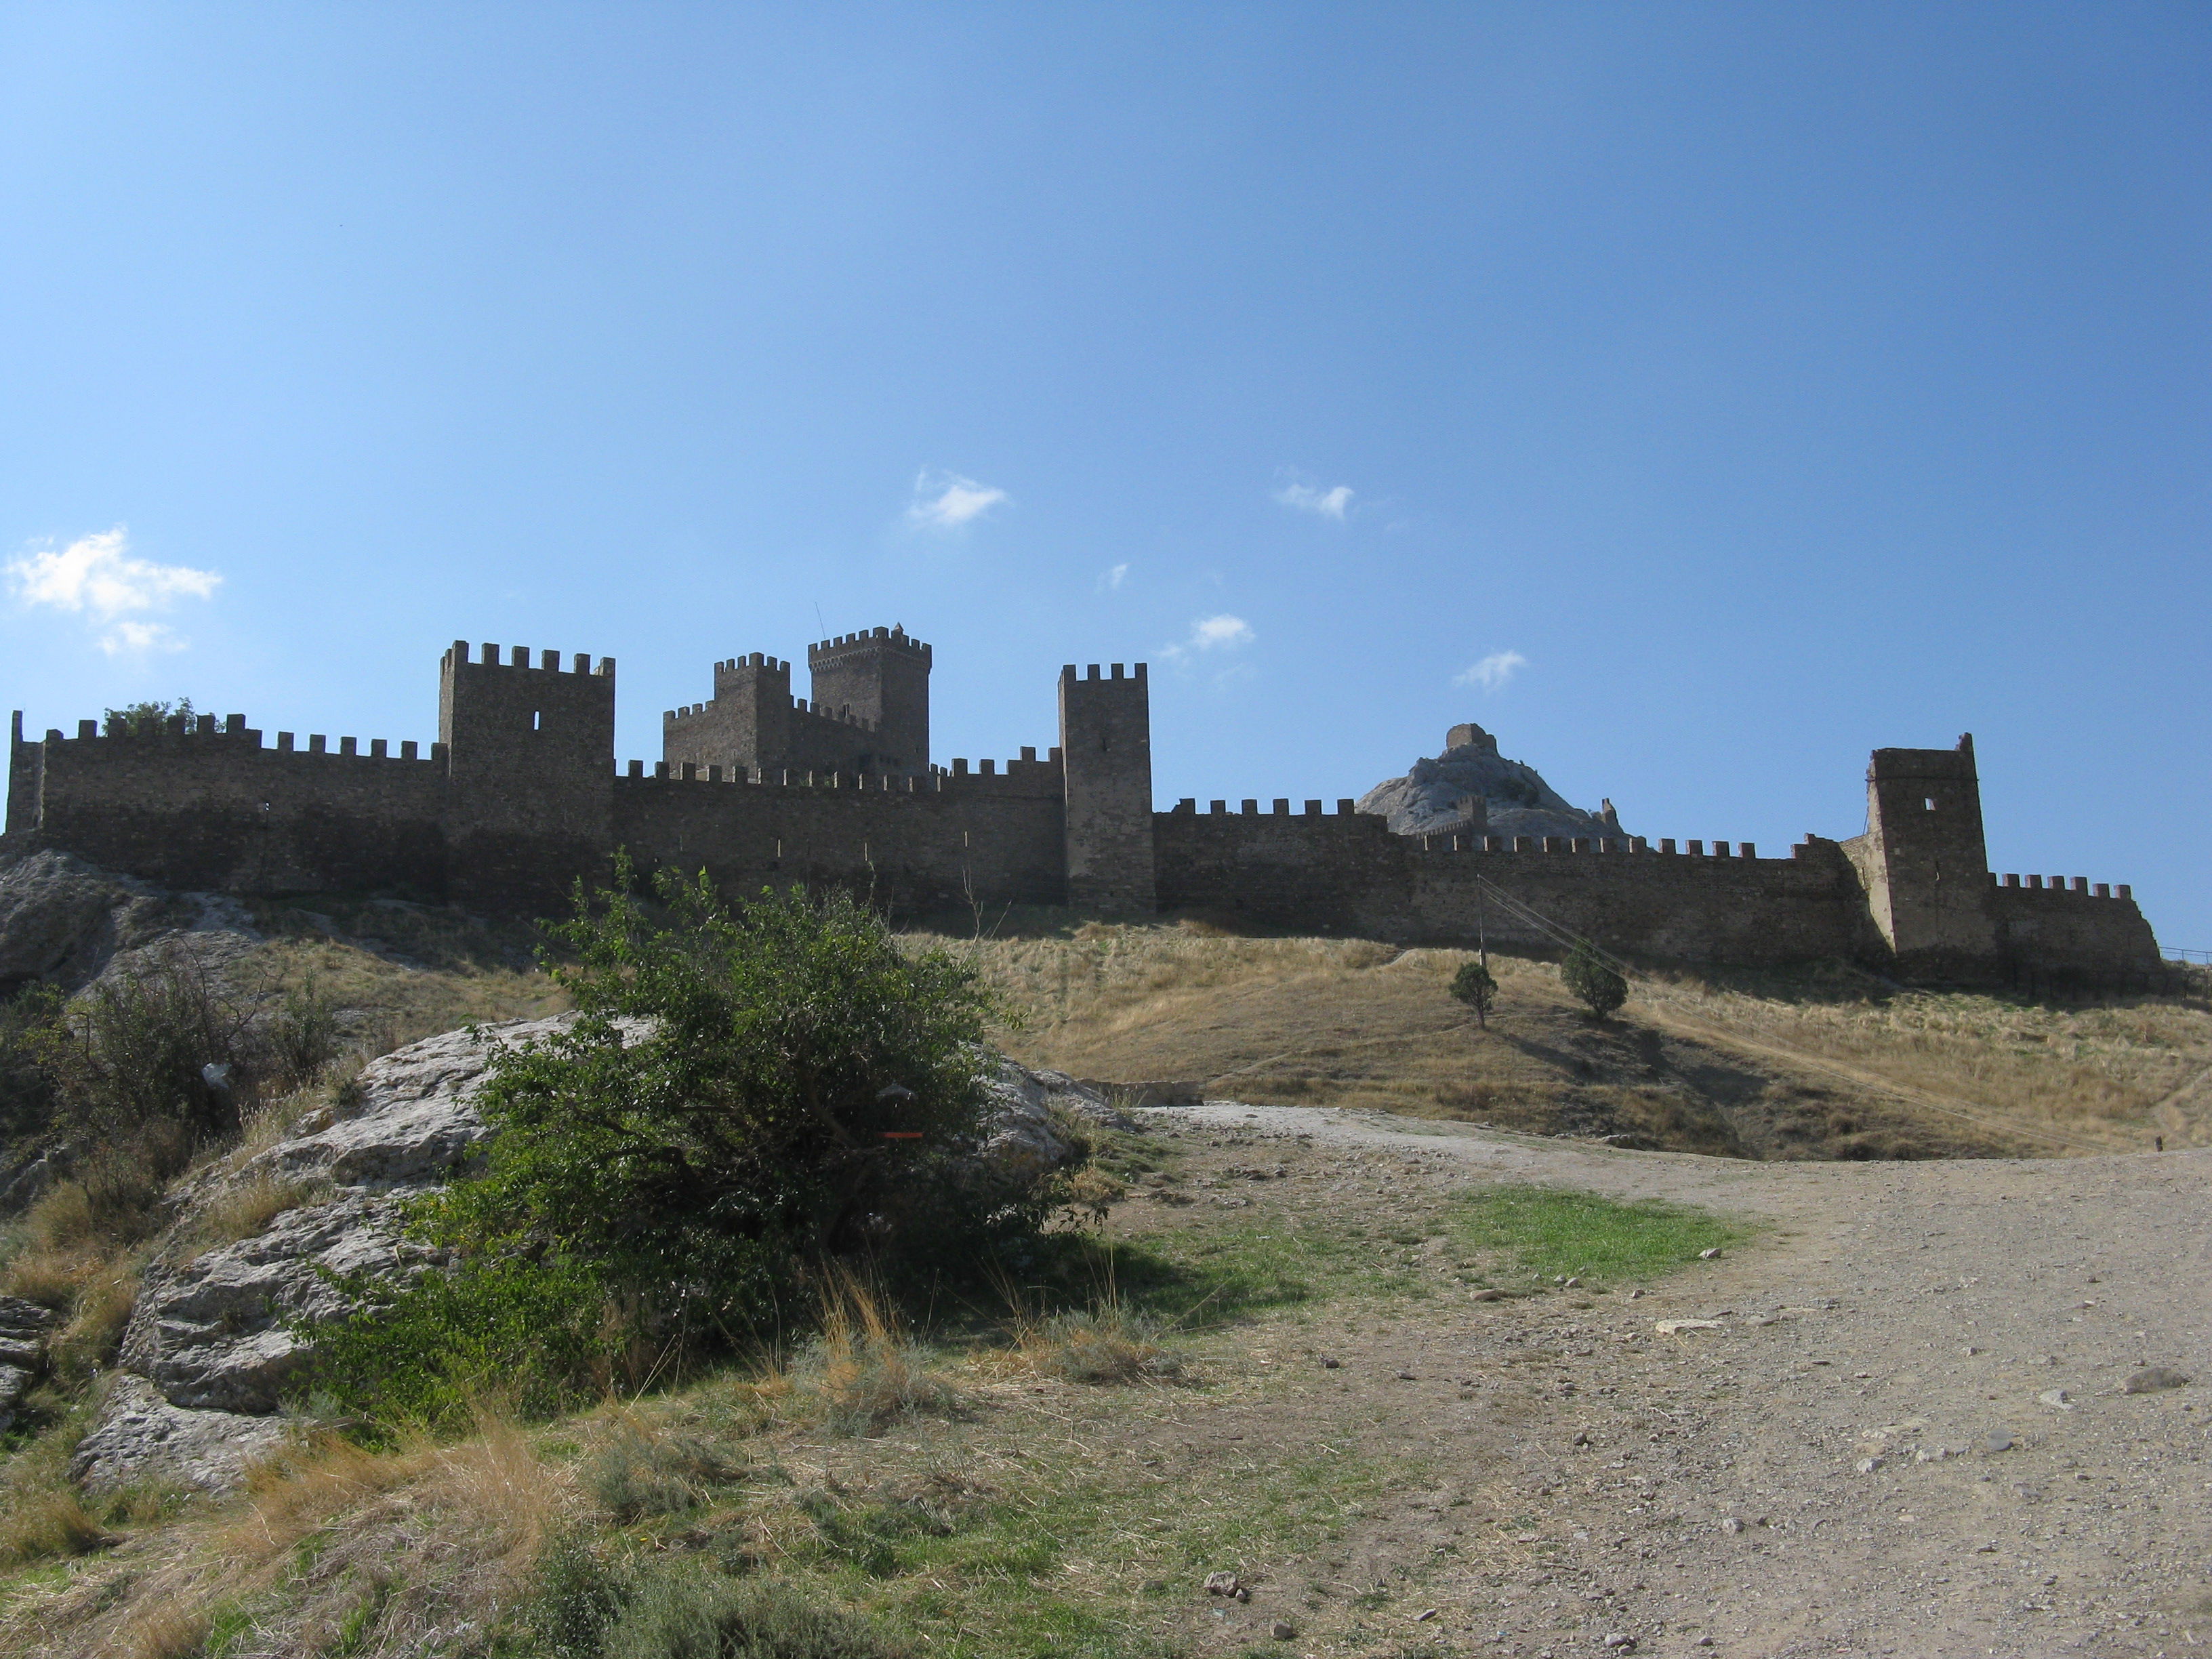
[[521, 795], [211, 808]]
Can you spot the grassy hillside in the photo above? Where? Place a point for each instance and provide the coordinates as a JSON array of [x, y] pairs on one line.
[[1816, 1064]]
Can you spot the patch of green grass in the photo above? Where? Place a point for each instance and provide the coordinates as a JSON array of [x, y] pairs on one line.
[[1058, 1565], [1554, 1233]]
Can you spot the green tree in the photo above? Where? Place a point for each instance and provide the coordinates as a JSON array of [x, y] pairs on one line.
[[1477, 986], [145, 720], [1591, 978]]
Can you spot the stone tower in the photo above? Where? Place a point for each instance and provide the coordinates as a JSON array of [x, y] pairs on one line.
[[882, 677], [1924, 863], [530, 772], [1106, 746]]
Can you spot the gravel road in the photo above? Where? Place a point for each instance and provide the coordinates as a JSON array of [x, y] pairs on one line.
[[1907, 1432]]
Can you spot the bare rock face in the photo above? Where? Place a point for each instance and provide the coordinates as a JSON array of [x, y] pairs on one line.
[[1471, 789], [142, 1436], [24, 1326], [62, 920], [211, 1344]]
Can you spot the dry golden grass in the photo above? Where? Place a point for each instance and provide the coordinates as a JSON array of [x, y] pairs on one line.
[[242, 1209], [467, 1520], [866, 1372], [1819, 1065], [389, 1003]]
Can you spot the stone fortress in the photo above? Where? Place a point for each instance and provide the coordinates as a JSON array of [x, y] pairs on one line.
[[522, 793]]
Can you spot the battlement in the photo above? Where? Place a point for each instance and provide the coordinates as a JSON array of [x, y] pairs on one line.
[[846, 647], [230, 735], [457, 656], [2057, 886]]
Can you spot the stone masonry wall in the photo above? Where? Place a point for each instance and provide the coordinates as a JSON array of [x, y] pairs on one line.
[[917, 846], [214, 809]]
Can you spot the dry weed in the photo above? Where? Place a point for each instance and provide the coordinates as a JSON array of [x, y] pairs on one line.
[[167, 1631], [102, 1309], [39, 1525], [866, 1373]]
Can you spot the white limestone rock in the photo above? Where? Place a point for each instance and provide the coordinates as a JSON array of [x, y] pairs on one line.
[[141, 1436]]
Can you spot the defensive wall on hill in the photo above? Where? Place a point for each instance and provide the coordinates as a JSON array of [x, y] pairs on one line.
[[522, 793]]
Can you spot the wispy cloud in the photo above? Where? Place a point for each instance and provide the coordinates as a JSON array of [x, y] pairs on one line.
[[1493, 671], [97, 577], [1321, 503], [945, 501], [1223, 632], [1110, 580]]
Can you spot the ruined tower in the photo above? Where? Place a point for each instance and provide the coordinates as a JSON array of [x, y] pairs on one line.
[[530, 772], [1106, 746], [1923, 861]]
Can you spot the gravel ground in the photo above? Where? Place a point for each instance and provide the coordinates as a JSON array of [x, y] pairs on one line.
[[1907, 1430]]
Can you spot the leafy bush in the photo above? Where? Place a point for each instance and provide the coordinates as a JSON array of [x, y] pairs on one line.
[[1600, 987], [1477, 986], [299, 1037], [745, 1094]]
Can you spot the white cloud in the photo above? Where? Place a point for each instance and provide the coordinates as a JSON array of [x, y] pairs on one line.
[[1321, 503], [1110, 582], [96, 576], [945, 501], [140, 636], [1223, 632], [1493, 671]]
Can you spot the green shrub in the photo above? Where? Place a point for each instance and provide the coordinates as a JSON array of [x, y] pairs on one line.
[[299, 1035], [636, 1475], [1600, 987], [1477, 986], [535, 1334], [745, 1094]]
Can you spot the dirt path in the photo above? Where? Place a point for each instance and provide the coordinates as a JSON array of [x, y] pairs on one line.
[[1867, 1456]]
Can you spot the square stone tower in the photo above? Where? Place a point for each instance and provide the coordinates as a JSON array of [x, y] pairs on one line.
[[1924, 863], [1106, 747], [882, 677]]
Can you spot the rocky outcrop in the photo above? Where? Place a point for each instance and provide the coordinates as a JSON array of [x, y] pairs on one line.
[[214, 1340], [24, 1326], [62, 920], [1471, 789], [1028, 1130]]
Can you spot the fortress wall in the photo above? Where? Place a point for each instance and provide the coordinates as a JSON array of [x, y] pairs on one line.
[[918, 847], [216, 809], [2066, 931], [1690, 907], [1345, 871]]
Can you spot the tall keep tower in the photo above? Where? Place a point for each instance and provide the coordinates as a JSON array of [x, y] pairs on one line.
[[530, 771], [1923, 861], [1106, 746], [881, 678]]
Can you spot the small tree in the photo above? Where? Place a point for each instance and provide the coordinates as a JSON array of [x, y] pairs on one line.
[[146, 720], [1477, 986], [1592, 979]]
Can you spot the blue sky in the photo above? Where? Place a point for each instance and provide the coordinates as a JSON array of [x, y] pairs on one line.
[[1747, 387]]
